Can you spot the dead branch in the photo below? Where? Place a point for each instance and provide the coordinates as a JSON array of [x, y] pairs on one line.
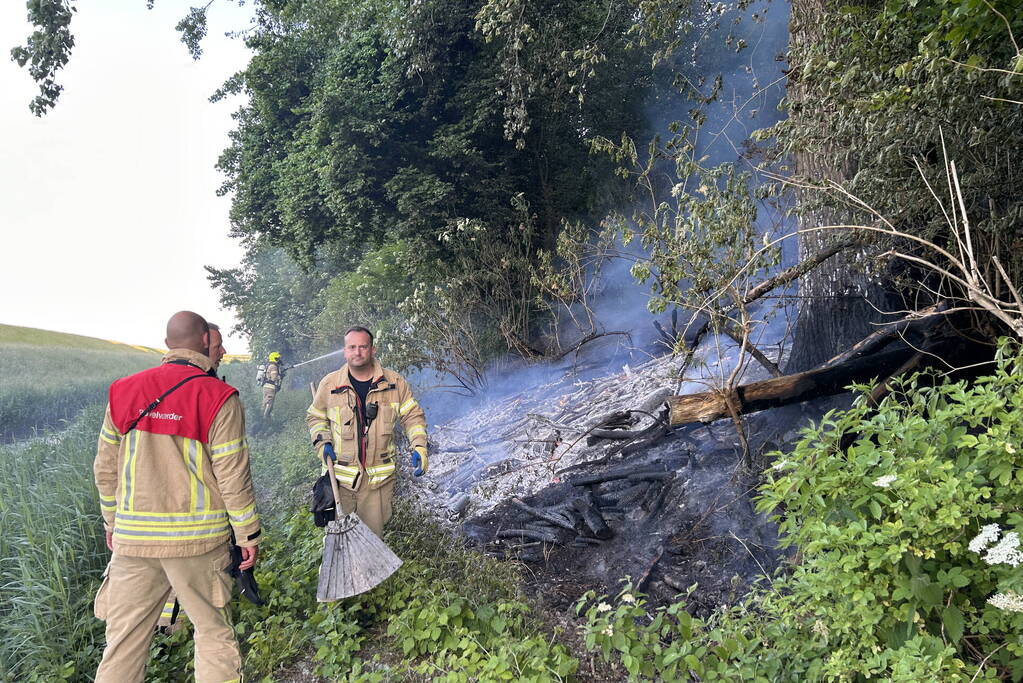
[[646, 574], [745, 345], [800, 269], [885, 387], [593, 336], [888, 333], [545, 537]]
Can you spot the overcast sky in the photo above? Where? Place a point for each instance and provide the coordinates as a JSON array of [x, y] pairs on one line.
[[108, 209]]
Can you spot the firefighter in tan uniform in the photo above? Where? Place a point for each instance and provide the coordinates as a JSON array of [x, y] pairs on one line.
[[172, 618], [272, 378], [174, 481], [352, 420]]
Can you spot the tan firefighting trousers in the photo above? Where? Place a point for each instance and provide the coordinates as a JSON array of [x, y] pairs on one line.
[[372, 506], [268, 400], [132, 597]]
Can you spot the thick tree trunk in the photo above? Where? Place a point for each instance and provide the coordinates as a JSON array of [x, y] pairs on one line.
[[839, 304]]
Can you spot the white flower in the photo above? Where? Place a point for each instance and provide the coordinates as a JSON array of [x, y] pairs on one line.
[[885, 481], [820, 628], [627, 597], [603, 607], [988, 535], [609, 631], [1006, 552], [1009, 448], [1008, 601]]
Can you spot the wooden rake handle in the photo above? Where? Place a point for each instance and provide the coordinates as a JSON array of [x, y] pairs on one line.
[[333, 487]]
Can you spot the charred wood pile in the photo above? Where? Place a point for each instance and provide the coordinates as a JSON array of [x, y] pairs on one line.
[[530, 440], [581, 520], [592, 480]]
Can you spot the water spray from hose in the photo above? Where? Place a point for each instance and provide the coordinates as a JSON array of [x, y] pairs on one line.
[[313, 360]]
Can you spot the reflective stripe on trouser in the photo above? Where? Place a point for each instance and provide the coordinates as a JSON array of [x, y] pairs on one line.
[[137, 591], [372, 505]]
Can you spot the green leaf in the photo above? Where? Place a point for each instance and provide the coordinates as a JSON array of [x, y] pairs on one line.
[[912, 563], [953, 621]]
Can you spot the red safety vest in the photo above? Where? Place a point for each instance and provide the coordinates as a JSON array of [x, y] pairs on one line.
[[187, 412]]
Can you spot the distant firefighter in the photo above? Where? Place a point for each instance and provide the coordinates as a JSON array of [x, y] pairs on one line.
[[351, 423], [270, 377]]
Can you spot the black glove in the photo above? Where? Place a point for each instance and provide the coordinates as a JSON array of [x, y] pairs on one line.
[[322, 505], [245, 579]]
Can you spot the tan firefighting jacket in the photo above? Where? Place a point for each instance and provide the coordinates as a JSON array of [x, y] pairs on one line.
[[164, 495], [364, 457], [272, 377]]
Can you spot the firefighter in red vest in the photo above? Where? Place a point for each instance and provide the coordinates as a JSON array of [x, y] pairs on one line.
[[172, 469]]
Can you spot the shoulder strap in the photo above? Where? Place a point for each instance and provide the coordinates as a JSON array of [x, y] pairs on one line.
[[152, 406]]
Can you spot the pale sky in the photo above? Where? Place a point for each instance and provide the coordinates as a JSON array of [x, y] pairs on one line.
[[108, 209]]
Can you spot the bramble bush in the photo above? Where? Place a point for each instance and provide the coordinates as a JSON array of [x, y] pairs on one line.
[[906, 563]]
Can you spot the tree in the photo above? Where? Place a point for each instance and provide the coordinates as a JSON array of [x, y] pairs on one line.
[[380, 123], [48, 49]]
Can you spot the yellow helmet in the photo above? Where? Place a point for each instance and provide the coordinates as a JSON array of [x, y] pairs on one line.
[[274, 357]]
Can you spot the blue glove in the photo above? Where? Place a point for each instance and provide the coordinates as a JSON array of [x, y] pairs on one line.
[[328, 452], [419, 461]]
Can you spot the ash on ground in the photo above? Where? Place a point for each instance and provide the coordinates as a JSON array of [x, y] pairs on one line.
[[583, 483]]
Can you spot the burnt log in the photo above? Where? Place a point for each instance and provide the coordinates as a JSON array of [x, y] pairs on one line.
[[803, 386], [591, 517], [630, 494], [651, 476], [611, 475], [534, 534], [657, 502], [657, 432], [555, 519]]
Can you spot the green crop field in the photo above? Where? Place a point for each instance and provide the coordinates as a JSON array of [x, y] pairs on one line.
[[49, 377]]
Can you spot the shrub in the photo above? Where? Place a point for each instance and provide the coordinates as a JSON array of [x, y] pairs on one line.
[[907, 552]]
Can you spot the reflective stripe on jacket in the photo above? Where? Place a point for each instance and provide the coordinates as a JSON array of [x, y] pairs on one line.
[[176, 484], [333, 418]]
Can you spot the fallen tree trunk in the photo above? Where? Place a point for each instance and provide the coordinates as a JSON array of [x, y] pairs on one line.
[[803, 386], [886, 334]]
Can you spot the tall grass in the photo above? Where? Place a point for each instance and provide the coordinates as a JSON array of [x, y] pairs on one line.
[[51, 554], [47, 386]]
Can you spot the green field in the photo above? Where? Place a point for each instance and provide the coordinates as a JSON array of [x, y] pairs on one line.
[[12, 334], [49, 377]]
